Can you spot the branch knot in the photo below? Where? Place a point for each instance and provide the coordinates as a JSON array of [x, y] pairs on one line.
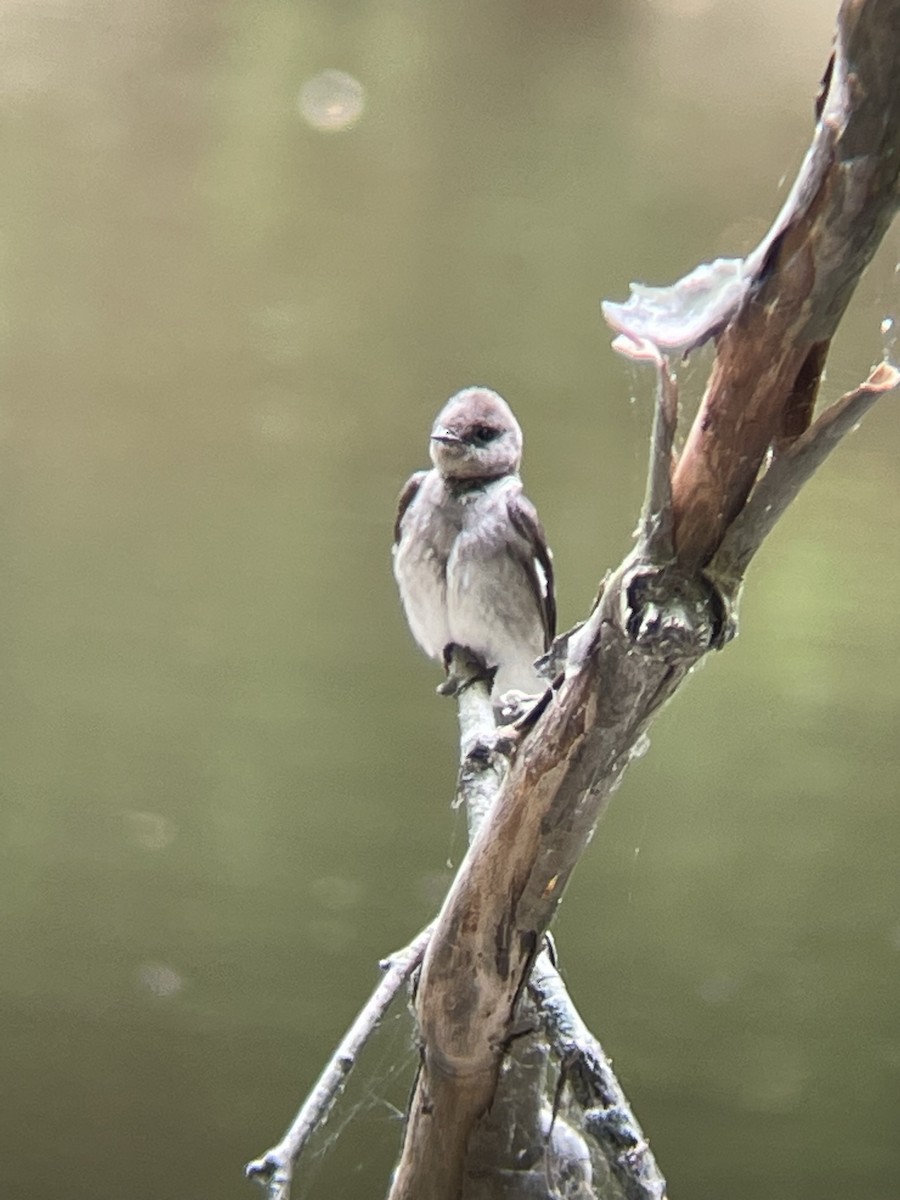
[[673, 616]]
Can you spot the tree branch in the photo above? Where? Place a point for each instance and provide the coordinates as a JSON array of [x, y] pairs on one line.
[[275, 1169], [522, 1104], [790, 470], [655, 619], [799, 281], [608, 1118], [522, 1141]]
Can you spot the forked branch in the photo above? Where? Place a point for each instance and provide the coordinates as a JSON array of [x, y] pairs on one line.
[[773, 317], [543, 782]]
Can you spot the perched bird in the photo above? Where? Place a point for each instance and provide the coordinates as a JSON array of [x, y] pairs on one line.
[[470, 556]]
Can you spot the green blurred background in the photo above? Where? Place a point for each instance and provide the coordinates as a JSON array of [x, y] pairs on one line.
[[226, 777]]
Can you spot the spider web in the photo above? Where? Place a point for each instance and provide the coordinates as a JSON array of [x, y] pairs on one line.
[[353, 1151]]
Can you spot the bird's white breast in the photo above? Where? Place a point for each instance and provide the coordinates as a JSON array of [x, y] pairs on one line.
[[459, 567]]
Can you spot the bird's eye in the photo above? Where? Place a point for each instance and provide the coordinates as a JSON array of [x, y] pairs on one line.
[[485, 433]]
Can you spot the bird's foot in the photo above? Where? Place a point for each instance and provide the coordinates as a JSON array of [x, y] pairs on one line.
[[519, 711], [513, 705], [464, 667]]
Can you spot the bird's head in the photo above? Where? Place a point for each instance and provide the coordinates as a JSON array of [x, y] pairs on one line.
[[476, 436]]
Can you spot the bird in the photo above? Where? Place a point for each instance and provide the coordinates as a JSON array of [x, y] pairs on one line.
[[470, 555]]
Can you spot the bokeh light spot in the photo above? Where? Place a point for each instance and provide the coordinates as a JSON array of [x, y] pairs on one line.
[[331, 101], [159, 980]]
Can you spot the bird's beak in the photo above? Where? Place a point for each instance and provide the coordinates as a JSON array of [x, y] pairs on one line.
[[447, 436]]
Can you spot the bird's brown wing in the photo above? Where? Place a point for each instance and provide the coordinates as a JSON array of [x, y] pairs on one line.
[[406, 498], [536, 559]]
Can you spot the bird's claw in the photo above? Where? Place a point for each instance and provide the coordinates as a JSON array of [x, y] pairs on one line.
[[518, 712], [464, 667], [515, 704]]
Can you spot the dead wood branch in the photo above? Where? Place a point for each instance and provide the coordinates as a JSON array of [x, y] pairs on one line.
[[275, 1169], [656, 617], [535, 790], [770, 357], [523, 1129]]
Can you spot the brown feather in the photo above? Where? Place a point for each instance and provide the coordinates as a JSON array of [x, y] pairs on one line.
[[524, 518], [406, 498]]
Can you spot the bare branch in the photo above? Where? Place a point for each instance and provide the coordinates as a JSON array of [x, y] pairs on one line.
[[655, 620], [656, 532], [805, 272], [508, 887], [521, 1137], [276, 1167], [482, 763], [791, 469], [535, 790], [608, 1117]]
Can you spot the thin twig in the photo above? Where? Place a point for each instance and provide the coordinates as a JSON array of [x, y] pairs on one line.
[[276, 1167], [657, 531], [608, 1117], [481, 773], [790, 470], [482, 768]]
